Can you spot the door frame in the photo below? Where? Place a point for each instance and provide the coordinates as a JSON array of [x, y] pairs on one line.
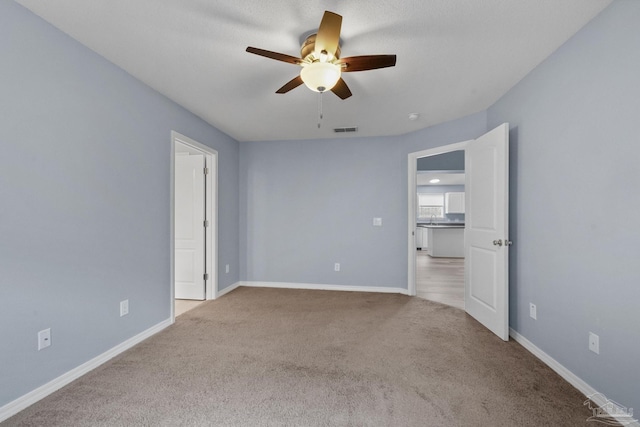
[[211, 206], [412, 168]]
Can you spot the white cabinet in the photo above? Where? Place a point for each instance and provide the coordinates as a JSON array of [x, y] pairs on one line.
[[454, 203], [422, 238], [447, 242]]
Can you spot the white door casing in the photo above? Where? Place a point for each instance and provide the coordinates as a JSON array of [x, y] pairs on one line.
[[486, 230], [189, 226]]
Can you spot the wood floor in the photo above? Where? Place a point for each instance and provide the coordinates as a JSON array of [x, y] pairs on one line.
[[440, 279]]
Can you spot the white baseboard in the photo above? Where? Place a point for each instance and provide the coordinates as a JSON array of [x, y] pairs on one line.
[[12, 408], [598, 398], [228, 289], [314, 286], [41, 392]]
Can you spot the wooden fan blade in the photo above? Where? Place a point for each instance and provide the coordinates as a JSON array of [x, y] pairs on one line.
[[294, 83], [341, 89], [367, 62], [328, 37], [275, 55]]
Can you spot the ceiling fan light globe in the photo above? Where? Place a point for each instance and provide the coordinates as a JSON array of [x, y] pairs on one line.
[[320, 76]]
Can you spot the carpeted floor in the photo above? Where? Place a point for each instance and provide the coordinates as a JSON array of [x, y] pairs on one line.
[[278, 357]]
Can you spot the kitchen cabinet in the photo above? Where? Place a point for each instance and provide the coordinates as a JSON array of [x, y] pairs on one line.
[[422, 238], [454, 203], [447, 242]]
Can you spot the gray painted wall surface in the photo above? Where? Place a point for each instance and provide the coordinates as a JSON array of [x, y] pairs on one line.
[[574, 202], [84, 185], [453, 161], [306, 205], [84, 201]]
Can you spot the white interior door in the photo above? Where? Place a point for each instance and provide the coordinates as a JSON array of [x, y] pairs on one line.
[[189, 226], [486, 231]]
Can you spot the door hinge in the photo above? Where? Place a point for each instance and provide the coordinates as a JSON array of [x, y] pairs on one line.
[[206, 223], [206, 171], [206, 276]]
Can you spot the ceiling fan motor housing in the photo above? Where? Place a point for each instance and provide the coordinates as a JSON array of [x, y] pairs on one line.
[[307, 51]]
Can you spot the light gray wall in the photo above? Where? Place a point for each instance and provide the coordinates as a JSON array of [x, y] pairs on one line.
[[452, 161], [306, 205], [84, 201], [574, 159], [84, 213]]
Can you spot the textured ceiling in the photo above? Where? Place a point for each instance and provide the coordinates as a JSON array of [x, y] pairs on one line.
[[455, 57]]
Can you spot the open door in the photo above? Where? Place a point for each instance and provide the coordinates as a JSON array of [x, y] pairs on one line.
[[487, 226], [189, 226]]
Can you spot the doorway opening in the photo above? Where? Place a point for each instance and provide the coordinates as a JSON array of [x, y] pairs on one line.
[[438, 222], [486, 229], [194, 236]]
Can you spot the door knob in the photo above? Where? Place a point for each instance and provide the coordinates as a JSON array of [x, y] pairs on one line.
[[498, 242]]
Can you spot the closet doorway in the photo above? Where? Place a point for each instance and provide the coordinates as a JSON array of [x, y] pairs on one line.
[[194, 199]]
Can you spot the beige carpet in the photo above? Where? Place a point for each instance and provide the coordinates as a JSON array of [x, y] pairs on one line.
[[276, 357]]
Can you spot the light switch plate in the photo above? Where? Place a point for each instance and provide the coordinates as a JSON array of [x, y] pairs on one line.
[[377, 222]]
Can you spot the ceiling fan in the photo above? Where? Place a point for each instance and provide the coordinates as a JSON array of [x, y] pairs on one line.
[[321, 63]]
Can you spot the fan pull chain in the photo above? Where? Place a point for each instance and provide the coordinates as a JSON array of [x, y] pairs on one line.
[[319, 110]]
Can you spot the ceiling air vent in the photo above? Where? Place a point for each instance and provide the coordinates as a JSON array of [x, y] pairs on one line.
[[346, 130]]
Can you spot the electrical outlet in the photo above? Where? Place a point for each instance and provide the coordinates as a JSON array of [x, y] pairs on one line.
[[44, 338], [594, 343], [124, 307], [336, 267], [533, 313], [226, 268]]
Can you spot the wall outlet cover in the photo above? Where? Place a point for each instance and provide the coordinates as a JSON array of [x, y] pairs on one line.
[[44, 338], [533, 311], [124, 307], [594, 343]]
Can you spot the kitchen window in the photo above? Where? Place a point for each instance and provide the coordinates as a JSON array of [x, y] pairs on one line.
[[430, 204]]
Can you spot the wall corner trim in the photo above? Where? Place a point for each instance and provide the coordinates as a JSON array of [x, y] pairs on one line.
[[565, 373], [228, 289], [326, 287], [13, 407]]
